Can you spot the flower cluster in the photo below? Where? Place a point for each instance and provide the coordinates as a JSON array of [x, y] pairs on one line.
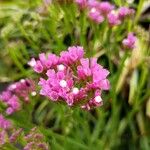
[[4, 126], [71, 78], [130, 41], [81, 3], [125, 12], [34, 140], [16, 91], [100, 11]]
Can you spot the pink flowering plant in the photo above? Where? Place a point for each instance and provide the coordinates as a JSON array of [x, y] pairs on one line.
[[71, 78], [74, 75], [10, 137], [15, 93]]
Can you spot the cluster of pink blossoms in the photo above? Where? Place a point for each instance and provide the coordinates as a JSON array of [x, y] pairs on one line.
[[34, 140], [16, 91], [130, 41], [71, 78], [99, 11], [4, 126]]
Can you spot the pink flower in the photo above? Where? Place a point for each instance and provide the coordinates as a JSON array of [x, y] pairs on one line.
[[105, 7], [5, 96], [10, 111], [4, 124], [2, 137], [84, 70], [129, 42], [35, 140], [14, 104], [96, 71], [21, 89], [93, 3], [37, 65], [98, 11], [113, 19], [74, 54], [14, 136], [95, 15], [94, 102], [75, 80], [52, 61], [57, 85], [81, 3], [43, 59], [43, 63], [125, 12], [43, 146]]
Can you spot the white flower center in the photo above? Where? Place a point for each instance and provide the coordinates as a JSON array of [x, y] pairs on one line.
[[22, 80], [61, 67], [93, 10], [98, 99], [63, 83], [75, 90], [33, 93], [13, 86], [32, 63], [114, 12]]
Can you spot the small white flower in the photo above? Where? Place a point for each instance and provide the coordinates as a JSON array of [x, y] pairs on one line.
[[93, 10], [61, 67], [75, 90], [22, 80], [33, 93], [63, 83], [32, 62], [98, 99], [13, 86]]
